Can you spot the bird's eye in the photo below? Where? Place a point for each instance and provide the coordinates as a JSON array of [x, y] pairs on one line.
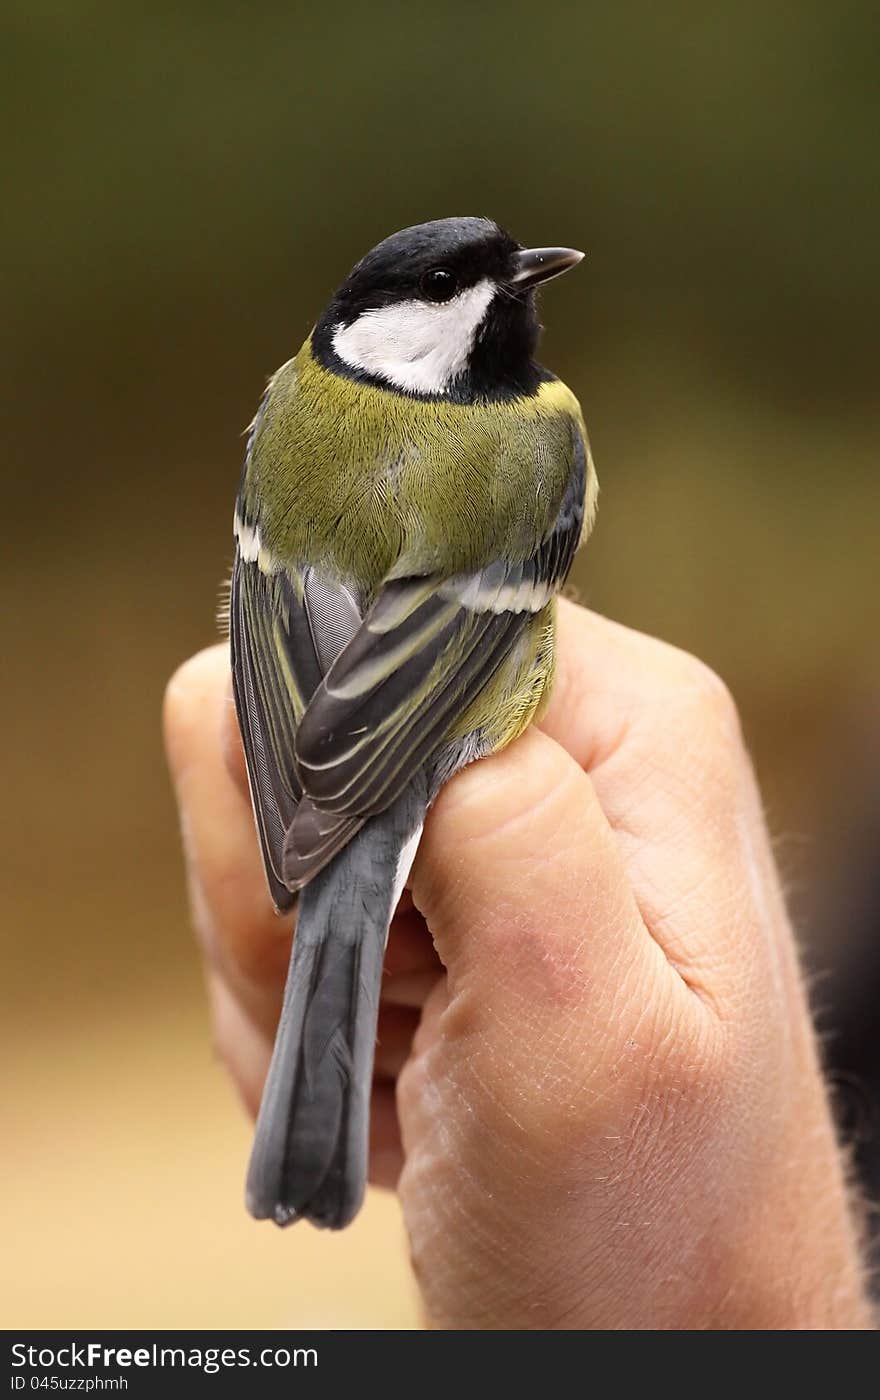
[[439, 284]]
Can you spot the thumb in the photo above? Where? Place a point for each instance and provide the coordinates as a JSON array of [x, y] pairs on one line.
[[550, 967]]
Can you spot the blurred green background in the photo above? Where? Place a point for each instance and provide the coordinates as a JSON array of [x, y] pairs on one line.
[[184, 186]]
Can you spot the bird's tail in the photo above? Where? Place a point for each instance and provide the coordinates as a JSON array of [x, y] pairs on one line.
[[309, 1158]]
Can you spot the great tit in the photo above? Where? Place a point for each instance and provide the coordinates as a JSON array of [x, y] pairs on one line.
[[414, 490]]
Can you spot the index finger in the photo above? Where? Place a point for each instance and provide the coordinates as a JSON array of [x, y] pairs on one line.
[[610, 678]]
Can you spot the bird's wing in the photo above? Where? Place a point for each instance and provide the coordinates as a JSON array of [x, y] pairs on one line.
[[425, 650], [286, 629]]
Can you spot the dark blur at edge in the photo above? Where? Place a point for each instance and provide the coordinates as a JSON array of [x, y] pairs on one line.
[[183, 187]]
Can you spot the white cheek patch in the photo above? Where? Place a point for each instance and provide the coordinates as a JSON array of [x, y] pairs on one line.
[[416, 345]]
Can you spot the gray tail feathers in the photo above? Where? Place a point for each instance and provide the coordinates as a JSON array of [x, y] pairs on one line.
[[309, 1159]]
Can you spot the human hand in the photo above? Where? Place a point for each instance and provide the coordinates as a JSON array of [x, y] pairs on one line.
[[607, 1084]]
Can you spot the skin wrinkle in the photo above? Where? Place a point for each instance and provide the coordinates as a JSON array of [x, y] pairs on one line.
[[688, 972], [697, 977], [641, 851]]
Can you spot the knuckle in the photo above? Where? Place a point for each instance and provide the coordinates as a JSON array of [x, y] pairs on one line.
[[417, 1096], [718, 702], [180, 692], [408, 1085], [707, 693], [706, 721]]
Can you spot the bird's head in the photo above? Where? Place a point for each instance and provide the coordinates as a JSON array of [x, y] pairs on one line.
[[442, 310]]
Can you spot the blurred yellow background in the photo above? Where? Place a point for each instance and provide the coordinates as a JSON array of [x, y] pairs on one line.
[[185, 185]]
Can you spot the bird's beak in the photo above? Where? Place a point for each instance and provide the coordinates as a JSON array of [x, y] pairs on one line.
[[534, 265]]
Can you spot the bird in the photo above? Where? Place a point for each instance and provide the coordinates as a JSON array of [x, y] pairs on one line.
[[414, 490]]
